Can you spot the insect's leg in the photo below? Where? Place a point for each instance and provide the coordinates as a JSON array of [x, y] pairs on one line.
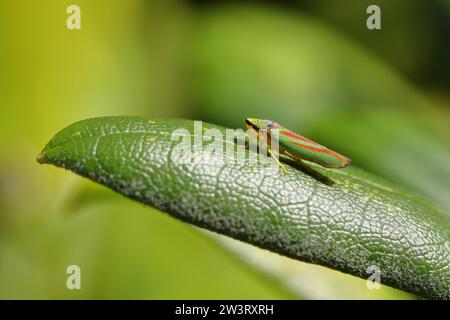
[[300, 163], [249, 139], [271, 153], [246, 141]]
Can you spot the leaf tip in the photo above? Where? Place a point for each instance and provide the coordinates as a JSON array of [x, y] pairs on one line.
[[41, 158]]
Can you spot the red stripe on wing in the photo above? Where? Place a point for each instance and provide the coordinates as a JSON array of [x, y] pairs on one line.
[[308, 147], [296, 136], [324, 150]]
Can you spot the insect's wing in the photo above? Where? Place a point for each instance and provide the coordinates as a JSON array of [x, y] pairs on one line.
[[304, 148]]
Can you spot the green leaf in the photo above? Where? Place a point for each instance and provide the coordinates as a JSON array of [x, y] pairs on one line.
[[358, 223]]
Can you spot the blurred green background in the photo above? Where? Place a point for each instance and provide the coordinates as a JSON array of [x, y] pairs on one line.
[[379, 96]]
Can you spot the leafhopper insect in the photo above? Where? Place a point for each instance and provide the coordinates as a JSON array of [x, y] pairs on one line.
[[296, 147]]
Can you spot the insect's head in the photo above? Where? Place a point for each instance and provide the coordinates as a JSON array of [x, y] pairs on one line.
[[258, 124]]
